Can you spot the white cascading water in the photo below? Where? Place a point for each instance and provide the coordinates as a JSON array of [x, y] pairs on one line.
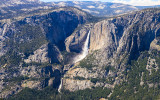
[[79, 57], [84, 52], [60, 86]]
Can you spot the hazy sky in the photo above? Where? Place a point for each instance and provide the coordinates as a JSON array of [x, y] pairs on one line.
[[131, 2]]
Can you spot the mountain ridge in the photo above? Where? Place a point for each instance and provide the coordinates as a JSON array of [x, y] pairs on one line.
[[98, 8], [38, 49]]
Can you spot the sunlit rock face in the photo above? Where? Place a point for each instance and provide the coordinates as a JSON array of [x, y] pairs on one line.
[[116, 36], [115, 42]]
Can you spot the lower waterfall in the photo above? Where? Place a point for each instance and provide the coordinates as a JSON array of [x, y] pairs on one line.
[[60, 86]]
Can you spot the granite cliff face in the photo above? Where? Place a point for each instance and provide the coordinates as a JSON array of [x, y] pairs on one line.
[[128, 34], [113, 44], [39, 49]]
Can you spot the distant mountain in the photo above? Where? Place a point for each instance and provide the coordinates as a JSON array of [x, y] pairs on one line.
[[4, 3], [144, 7], [98, 8]]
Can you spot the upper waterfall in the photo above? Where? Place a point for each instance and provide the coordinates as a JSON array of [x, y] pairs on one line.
[[84, 52]]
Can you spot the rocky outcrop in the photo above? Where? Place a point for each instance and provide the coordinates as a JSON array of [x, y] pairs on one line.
[[31, 84], [151, 64], [54, 54], [30, 71], [73, 85], [39, 56], [83, 72], [11, 91], [154, 45], [4, 28]]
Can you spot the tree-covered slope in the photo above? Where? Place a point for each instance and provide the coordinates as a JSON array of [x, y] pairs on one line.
[[38, 48], [32, 46]]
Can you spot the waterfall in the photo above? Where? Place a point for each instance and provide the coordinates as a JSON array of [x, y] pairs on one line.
[[4, 29], [79, 57], [84, 52], [60, 86]]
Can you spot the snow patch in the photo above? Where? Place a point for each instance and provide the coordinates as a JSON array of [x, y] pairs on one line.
[[87, 10], [118, 11], [101, 6], [76, 2], [61, 4], [91, 6], [90, 11], [116, 6], [77, 6]]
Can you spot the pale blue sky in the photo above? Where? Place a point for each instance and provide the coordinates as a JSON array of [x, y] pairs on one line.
[[131, 2], [76, 0]]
